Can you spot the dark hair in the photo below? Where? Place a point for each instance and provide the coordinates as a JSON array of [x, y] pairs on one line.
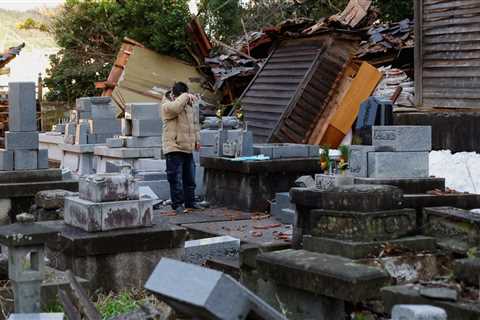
[[179, 88]]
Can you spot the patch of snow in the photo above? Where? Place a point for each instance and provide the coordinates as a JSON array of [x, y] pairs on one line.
[[460, 170]]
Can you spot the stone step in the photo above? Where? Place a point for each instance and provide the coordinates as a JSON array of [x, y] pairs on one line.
[[408, 185], [363, 226], [361, 250], [410, 294], [322, 274]]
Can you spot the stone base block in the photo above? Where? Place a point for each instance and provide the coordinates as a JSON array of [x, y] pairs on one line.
[[115, 142], [150, 176], [287, 150], [398, 164], [6, 160], [42, 159], [361, 250], [157, 165], [363, 226], [107, 187], [91, 216], [322, 274], [358, 160], [327, 181], [25, 159], [105, 126], [21, 140], [143, 111]]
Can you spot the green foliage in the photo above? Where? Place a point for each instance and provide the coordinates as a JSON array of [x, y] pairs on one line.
[[394, 10], [29, 24], [221, 18], [113, 305], [90, 33]]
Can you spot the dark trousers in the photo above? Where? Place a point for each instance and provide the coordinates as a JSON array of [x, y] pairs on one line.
[[181, 177]]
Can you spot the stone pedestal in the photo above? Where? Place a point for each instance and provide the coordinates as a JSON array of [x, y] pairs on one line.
[[52, 142], [78, 158], [248, 185], [114, 260]]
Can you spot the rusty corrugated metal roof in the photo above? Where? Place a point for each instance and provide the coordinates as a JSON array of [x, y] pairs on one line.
[[288, 95]]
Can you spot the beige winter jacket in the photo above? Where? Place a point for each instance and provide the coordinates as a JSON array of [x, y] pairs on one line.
[[180, 127]]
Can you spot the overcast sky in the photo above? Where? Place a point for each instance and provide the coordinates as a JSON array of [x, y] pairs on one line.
[[23, 5]]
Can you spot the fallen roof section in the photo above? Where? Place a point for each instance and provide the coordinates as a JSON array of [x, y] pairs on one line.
[[289, 93]]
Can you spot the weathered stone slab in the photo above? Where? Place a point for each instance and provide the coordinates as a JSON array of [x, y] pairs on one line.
[[447, 222], [52, 199], [73, 241], [199, 251], [107, 187], [151, 176], [42, 159], [82, 132], [21, 140], [322, 274], [327, 181], [410, 294], [22, 106], [362, 198], [398, 164], [115, 142], [123, 153], [361, 250], [143, 142], [78, 148], [142, 111], [468, 271], [417, 312], [6, 160], [25, 234], [408, 185], [36, 316], [156, 165], [146, 127], [402, 138], [29, 189], [358, 160], [286, 150], [457, 200], [25, 159], [363, 226], [209, 138], [214, 295], [91, 216]]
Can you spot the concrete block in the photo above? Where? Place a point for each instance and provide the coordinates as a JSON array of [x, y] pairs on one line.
[[6, 160], [402, 138], [209, 138], [290, 150], [208, 151], [106, 187], [143, 142], [102, 138], [42, 159], [116, 142], [172, 282], [91, 216], [160, 187], [85, 104], [125, 153], [146, 128], [103, 111], [21, 140], [398, 164], [25, 159], [81, 133], [106, 126], [86, 164], [142, 111], [22, 106], [157, 165], [91, 138], [199, 251], [358, 160], [126, 127], [418, 312]]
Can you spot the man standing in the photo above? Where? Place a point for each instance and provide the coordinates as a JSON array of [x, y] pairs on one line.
[[180, 139]]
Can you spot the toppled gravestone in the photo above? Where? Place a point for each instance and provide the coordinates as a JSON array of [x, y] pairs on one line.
[[418, 312], [206, 294], [49, 204]]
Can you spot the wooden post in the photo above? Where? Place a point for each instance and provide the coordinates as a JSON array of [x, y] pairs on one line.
[[418, 56]]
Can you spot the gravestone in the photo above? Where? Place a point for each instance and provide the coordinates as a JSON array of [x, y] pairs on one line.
[[418, 312], [206, 293]]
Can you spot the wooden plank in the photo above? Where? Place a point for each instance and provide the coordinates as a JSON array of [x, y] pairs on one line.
[[460, 63], [275, 80], [448, 4], [450, 73], [68, 307], [451, 30], [287, 65], [282, 102], [253, 92], [451, 22], [452, 13], [86, 305], [274, 87], [456, 47], [452, 55], [452, 84], [261, 108], [457, 93], [451, 38], [362, 86], [451, 103], [284, 73]]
